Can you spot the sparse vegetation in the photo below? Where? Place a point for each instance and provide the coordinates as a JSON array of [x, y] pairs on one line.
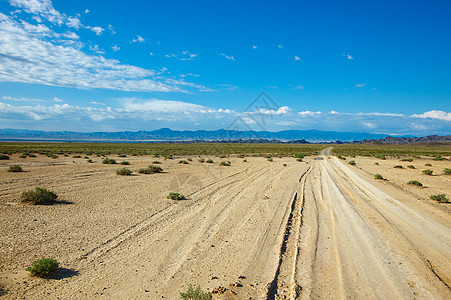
[[4, 157], [109, 161], [150, 170], [15, 168], [184, 162], [122, 155], [123, 171], [398, 167], [39, 196], [125, 163], [89, 161], [407, 159], [376, 163], [440, 198], [284, 165], [427, 172], [270, 159], [415, 182], [378, 176], [176, 196], [341, 157], [195, 294], [298, 159], [438, 157], [156, 162], [352, 162], [209, 161], [76, 156], [201, 160], [447, 171], [43, 267], [411, 166], [428, 165], [244, 160], [225, 163]]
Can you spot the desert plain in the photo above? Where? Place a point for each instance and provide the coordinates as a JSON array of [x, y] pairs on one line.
[[257, 229]]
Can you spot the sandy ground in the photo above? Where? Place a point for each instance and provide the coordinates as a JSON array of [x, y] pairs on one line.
[[315, 229]]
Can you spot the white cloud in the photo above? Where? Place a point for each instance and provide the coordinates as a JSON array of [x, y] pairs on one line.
[[138, 39], [96, 49], [434, 114], [298, 87], [110, 27], [73, 22], [151, 53], [254, 47], [280, 46], [86, 11], [98, 30], [188, 56], [297, 58], [309, 113], [348, 56], [272, 87], [115, 48], [359, 85], [226, 56], [280, 111], [43, 8], [24, 57]]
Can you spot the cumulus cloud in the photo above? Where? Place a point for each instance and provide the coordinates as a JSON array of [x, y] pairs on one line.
[[297, 58], [434, 114], [254, 47], [226, 56], [26, 57], [138, 39], [115, 48], [348, 56]]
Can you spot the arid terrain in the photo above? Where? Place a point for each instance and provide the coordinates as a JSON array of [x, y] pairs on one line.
[[319, 228]]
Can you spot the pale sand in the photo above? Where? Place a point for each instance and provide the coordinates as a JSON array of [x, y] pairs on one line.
[[312, 229]]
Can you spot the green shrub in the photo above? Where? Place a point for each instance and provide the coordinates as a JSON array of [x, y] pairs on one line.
[[378, 176], [23, 156], [270, 159], [209, 161], [440, 198], [122, 155], [398, 167], [376, 163], [123, 171], [284, 165], [411, 166], [195, 294], [125, 163], [299, 159], [299, 155], [225, 163], [351, 162], [447, 171], [407, 159], [222, 156], [32, 155], [176, 196], [428, 165], [414, 182], [89, 160], [150, 170], [168, 157], [76, 156], [39, 196], [183, 162], [189, 159], [427, 172], [109, 161], [244, 160], [43, 267], [4, 157], [156, 162], [201, 160], [341, 157], [15, 168], [438, 157]]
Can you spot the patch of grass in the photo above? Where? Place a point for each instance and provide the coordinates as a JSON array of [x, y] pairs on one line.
[[43, 267], [398, 167], [15, 168], [123, 171], [168, 156], [440, 198], [225, 163], [125, 163], [209, 161], [447, 171], [109, 161], [415, 182], [195, 294], [427, 172], [176, 196], [4, 157], [299, 155], [184, 162], [352, 162], [411, 166], [39, 196], [378, 176], [407, 159]]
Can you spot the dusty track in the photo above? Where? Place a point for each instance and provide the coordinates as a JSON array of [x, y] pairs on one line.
[[260, 230]]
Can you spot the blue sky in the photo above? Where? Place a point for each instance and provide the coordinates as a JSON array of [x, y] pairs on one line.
[[380, 67]]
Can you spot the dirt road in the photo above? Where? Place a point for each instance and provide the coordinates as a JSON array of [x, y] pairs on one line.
[[256, 230]]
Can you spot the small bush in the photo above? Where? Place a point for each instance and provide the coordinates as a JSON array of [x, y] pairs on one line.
[[15, 168], [376, 163], [195, 294], [201, 160], [123, 171], [184, 162], [222, 156], [341, 157], [32, 155], [150, 170], [284, 165], [209, 161], [407, 159], [125, 163], [39, 196], [414, 182], [23, 156], [76, 156], [428, 165], [109, 161], [168, 157], [440, 198], [398, 167], [447, 171], [176, 196], [299, 159], [189, 159], [43, 267], [270, 159], [225, 163], [438, 157], [378, 176], [299, 155], [411, 166], [351, 162], [427, 172], [122, 155], [244, 160], [89, 161], [156, 162], [4, 157]]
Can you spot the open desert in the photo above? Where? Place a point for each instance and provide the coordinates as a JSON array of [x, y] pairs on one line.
[[257, 229]]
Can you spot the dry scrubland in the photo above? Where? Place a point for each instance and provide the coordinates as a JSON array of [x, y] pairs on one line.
[[254, 229]]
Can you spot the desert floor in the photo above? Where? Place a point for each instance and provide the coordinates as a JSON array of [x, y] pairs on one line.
[[320, 228]]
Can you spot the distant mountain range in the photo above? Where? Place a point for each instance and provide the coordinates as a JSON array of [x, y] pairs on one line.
[[166, 134]]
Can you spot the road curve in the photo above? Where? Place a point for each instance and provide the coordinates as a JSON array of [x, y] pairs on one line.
[[358, 242]]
